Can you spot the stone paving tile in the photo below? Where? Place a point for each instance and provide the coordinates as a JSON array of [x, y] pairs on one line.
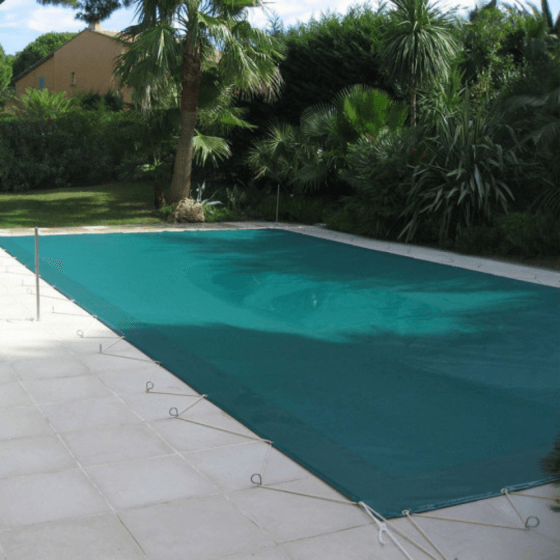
[[214, 528], [38, 498], [81, 414], [287, 517], [24, 456], [232, 467], [102, 537], [148, 481], [115, 443], [58, 390], [20, 422]]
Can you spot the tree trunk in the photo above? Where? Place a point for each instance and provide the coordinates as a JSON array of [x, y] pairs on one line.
[[159, 194], [190, 84]]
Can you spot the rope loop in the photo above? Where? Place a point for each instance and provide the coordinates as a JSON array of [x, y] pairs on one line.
[[258, 482], [382, 529], [174, 412], [80, 333], [149, 386]]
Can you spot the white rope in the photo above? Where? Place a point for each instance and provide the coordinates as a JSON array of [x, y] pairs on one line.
[[453, 519], [381, 523], [254, 438], [422, 532], [117, 340], [200, 398], [525, 522], [304, 495]]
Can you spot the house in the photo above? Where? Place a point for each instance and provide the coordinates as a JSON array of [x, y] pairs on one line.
[[84, 64]]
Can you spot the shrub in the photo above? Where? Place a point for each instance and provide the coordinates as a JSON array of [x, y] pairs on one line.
[[479, 240], [44, 154], [380, 172], [528, 235], [463, 184]]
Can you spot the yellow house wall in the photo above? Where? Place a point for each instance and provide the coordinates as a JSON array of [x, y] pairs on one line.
[[31, 80], [91, 56]]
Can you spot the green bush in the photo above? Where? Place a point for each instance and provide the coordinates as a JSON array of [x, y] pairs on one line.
[[479, 240], [380, 171], [77, 148], [343, 220], [527, 235]]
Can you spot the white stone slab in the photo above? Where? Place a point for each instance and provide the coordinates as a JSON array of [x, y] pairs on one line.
[[186, 436], [101, 537], [149, 481], [24, 456], [115, 443], [62, 389], [231, 467], [22, 422], [7, 374], [195, 529], [361, 543], [27, 500], [276, 553], [288, 517], [82, 414], [13, 394], [49, 368]]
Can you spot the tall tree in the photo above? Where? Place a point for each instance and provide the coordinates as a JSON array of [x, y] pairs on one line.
[[419, 47], [41, 47], [90, 11], [5, 70], [175, 39]]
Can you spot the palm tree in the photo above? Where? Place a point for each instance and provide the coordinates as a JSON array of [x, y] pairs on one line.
[[418, 47], [175, 40]]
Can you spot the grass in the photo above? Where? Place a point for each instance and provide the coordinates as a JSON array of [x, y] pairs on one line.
[[109, 204]]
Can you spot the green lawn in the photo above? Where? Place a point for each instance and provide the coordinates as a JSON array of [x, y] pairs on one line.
[[109, 204]]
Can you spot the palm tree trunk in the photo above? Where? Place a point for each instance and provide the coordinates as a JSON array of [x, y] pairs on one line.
[[190, 83]]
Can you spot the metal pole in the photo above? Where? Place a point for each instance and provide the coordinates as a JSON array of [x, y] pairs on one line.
[[277, 204], [37, 271]]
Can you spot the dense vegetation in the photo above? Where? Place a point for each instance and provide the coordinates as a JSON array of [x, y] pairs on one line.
[[457, 150]]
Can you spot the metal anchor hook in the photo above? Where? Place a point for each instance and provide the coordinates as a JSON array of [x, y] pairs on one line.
[[532, 525]]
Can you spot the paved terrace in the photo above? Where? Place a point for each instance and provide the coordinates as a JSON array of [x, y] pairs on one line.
[[93, 467]]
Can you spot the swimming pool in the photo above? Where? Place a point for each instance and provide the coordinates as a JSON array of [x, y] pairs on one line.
[[404, 384]]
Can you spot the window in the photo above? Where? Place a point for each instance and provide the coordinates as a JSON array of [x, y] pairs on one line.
[[73, 78], [41, 82]]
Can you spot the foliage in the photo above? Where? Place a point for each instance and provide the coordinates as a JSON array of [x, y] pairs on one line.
[[314, 155], [38, 49], [76, 148], [418, 47], [479, 240], [91, 11], [463, 182], [5, 71], [95, 101], [42, 104], [380, 172], [172, 43], [323, 57]]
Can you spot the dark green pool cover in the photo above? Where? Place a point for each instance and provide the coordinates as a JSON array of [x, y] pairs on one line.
[[404, 384]]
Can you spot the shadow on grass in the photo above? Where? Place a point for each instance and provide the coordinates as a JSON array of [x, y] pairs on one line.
[[110, 204]]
